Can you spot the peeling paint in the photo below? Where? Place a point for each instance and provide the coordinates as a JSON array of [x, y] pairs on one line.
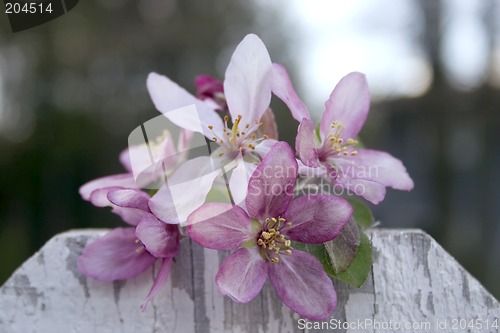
[[117, 287], [23, 288], [430, 303], [412, 278], [465, 287], [75, 246], [41, 258]]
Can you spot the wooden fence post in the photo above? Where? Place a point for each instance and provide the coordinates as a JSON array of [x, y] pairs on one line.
[[415, 286]]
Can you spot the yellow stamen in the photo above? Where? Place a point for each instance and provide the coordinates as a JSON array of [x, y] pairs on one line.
[[272, 241]]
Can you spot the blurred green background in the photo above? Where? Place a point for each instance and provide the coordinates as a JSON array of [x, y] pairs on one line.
[[73, 89]]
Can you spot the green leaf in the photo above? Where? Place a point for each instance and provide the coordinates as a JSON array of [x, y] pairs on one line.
[[319, 251], [152, 192], [337, 254], [359, 269], [362, 213], [343, 248]]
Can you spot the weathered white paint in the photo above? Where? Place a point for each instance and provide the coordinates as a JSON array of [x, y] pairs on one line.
[[413, 281]]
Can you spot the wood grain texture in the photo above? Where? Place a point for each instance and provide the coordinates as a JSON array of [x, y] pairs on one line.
[[413, 281]]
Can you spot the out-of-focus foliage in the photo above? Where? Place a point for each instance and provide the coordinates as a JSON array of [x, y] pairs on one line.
[[72, 90]]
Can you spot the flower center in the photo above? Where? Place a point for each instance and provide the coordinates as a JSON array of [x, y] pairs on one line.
[[235, 138], [272, 242], [336, 143]]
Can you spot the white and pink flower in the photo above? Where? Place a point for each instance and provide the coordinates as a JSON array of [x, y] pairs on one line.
[[332, 150]]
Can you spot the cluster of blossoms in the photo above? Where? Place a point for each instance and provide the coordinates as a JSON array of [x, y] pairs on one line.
[[265, 220]]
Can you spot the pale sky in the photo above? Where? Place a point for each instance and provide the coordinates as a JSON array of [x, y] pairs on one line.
[[381, 39]]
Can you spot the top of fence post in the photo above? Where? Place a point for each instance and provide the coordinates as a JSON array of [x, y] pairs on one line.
[[414, 286]]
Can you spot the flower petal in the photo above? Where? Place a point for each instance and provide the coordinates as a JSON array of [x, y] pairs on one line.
[[247, 83], [176, 199], [242, 275], [263, 147], [268, 125], [159, 238], [370, 190], [302, 284], [99, 198], [149, 161], [182, 108], [129, 198], [185, 137], [307, 171], [160, 280], [238, 183], [208, 87], [349, 103], [377, 166], [115, 256], [316, 218], [304, 144], [220, 226], [122, 180], [283, 88], [124, 159], [270, 188]]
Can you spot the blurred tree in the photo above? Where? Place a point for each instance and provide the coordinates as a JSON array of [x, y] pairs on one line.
[[448, 140], [74, 88]]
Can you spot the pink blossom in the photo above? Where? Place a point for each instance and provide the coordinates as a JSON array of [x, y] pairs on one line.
[[124, 253], [333, 149], [262, 233]]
